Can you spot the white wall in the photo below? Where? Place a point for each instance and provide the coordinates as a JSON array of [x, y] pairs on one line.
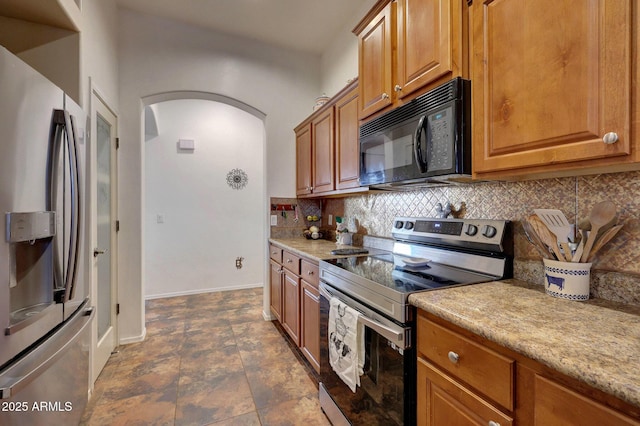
[[99, 50], [339, 63], [158, 56], [205, 224]]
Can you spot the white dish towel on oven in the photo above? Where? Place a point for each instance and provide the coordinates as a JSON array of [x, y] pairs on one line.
[[346, 343]]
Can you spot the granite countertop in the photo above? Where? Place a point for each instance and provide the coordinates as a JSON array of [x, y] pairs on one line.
[[311, 249], [597, 342]]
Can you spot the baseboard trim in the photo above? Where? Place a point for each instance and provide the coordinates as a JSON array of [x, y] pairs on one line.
[[202, 291]]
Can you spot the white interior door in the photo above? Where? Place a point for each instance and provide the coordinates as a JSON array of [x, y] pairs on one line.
[[104, 181]]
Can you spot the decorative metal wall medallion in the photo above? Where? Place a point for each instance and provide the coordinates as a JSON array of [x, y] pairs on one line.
[[237, 179]]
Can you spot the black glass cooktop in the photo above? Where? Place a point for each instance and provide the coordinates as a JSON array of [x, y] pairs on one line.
[[391, 270]]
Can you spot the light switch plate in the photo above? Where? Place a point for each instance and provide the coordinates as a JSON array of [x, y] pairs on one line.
[[274, 220]]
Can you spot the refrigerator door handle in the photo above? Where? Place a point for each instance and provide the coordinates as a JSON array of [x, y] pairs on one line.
[[37, 362], [74, 241], [64, 125], [55, 144]]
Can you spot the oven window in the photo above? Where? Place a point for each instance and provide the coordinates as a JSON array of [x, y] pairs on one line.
[[387, 392]]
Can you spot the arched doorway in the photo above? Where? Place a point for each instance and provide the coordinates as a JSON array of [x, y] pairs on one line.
[[204, 188]]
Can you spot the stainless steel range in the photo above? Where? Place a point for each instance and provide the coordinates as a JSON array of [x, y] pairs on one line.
[[428, 254]]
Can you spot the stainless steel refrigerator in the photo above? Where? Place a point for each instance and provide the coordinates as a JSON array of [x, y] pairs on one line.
[[45, 312]]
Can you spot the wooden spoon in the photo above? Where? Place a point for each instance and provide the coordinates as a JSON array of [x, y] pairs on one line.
[[604, 239], [534, 239], [601, 214], [546, 236]]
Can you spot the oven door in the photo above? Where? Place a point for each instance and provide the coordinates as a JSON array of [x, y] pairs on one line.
[[387, 393]]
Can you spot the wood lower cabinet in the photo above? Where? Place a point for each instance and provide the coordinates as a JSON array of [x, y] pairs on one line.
[[310, 313], [444, 401], [275, 287], [291, 305], [552, 84], [295, 300], [465, 380]]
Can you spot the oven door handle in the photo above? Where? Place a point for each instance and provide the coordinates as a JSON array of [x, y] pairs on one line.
[[394, 335]]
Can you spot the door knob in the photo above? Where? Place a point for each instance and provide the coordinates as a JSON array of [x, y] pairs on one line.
[[97, 251]]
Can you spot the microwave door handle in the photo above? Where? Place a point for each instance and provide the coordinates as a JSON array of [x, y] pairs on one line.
[[417, 145]]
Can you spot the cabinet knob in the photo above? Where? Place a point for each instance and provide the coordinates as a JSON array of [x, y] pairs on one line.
[[310, 273], [610, 138], [289, 261], [397, 88], [492, 423], [453, 357], [385, 96]]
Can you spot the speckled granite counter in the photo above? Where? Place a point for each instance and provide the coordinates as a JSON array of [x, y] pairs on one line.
[[311, 249], [597, 342]]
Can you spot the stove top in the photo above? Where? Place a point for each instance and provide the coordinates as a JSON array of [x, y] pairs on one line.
[[391, 271], [428, 254]]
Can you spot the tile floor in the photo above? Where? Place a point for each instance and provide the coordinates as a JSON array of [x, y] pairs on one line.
[[208, 359]]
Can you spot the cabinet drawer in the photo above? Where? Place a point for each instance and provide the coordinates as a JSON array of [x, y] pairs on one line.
[[448, 402], [481, 368], [309, 272], [291, 262], [275, 253]]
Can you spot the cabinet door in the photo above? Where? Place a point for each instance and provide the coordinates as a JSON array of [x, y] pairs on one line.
[[444, 401], [347, 143], [550, 79], [275, 286], [557, 405], [303, 160], [310, 317], [375, 55], [291, 306], [424, 40], [323, 154]]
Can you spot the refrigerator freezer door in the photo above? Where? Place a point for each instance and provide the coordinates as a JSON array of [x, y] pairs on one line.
[[49, 385]]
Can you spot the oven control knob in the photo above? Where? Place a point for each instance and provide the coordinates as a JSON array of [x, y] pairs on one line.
[[399, 224], [408, 225], [489, 231], [471, 230]]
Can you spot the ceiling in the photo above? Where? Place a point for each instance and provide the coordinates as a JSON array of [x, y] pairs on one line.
[[304, 25]]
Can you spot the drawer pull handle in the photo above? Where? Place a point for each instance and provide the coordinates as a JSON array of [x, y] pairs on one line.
[[610, 138], [453, 357], [492, 423]]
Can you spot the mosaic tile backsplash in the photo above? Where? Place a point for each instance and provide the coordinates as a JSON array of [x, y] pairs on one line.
[[616, 268]]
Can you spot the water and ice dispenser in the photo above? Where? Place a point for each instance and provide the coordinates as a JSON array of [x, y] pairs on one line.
[[31, 262]]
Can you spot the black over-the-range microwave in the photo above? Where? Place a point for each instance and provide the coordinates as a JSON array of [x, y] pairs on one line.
[[427, 140]]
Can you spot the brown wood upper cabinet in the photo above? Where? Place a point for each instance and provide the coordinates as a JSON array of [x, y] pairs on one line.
[[327, 147], [552, 87], [407, 47]]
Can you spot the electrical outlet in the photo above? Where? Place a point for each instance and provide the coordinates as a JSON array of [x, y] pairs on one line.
[[330, 220], [160, 218], [274, 220]]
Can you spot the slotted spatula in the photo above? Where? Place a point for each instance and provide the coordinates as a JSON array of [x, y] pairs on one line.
[[557, 223]]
